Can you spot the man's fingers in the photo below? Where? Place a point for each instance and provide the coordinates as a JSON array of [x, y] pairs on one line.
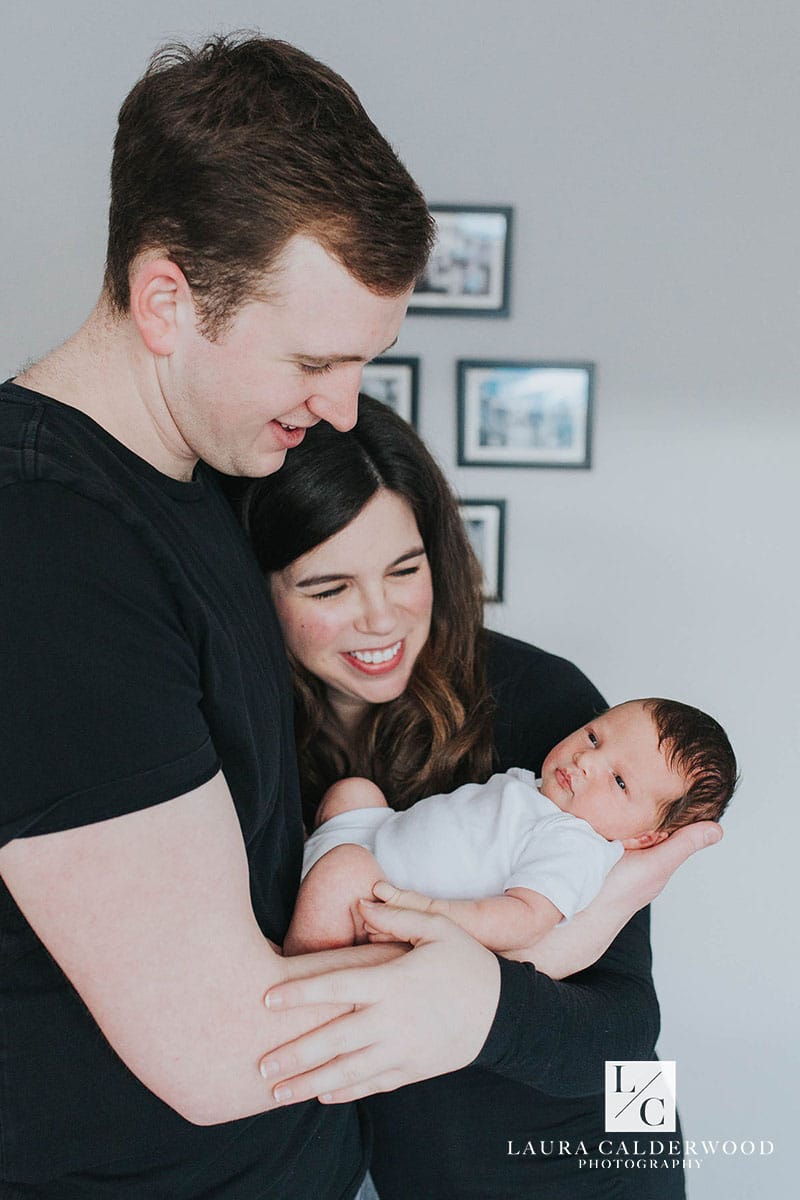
[[389, 894], [386, 1082], [345, 1036], [408, 924], [353, 985]]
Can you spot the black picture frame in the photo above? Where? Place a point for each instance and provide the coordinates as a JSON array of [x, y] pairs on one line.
[[395, 382], [469, 270], [485, 523], [534, 413]]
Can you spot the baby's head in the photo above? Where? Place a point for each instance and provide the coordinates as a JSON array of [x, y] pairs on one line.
[[641, 770]]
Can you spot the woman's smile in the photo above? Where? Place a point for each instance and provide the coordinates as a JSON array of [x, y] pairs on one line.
[[377, 661]]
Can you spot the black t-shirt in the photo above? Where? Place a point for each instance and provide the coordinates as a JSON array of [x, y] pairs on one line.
[[139, 655], [539, 1077]]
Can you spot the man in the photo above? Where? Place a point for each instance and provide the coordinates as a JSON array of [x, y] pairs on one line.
[[264, 241]]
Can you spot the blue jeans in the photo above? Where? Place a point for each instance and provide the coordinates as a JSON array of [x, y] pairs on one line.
[[367, 1191]]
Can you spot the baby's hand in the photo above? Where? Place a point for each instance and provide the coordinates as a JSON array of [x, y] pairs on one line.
[[397, 898]]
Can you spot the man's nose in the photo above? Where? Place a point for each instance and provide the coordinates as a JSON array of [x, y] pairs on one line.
[[336, 399]]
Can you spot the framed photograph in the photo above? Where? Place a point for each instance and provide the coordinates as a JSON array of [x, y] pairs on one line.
[[468, 273], [485, 522], [394, 381], [525, 414]]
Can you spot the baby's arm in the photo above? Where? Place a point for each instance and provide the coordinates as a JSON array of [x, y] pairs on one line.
[[513, 921]]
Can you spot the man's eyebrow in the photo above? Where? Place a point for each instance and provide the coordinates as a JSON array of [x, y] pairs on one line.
[[321, 359], [316, 580]]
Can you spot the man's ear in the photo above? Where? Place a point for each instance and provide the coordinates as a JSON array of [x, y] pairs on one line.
[[645, 839], [158, 291]]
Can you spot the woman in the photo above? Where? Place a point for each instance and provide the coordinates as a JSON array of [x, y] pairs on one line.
[[378, 595]]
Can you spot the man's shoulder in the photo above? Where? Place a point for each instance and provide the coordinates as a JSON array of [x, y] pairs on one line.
[[42, 439]]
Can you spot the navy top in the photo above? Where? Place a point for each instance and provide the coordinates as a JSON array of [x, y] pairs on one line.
[[140, 654], [538, 1081]]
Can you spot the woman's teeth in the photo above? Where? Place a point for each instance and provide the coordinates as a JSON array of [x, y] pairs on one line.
[[376, 656]]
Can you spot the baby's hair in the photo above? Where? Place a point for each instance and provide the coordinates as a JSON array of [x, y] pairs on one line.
[[696, 746]]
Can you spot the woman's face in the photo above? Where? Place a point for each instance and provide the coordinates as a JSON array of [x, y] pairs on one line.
[[356, 610]]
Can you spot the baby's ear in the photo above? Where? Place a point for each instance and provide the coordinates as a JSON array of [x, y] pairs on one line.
[[644, 840]]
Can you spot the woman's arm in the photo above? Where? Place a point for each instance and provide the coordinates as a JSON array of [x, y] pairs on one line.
[[634, 882]]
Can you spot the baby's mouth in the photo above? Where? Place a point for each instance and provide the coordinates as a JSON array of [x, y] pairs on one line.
[[564, 779]]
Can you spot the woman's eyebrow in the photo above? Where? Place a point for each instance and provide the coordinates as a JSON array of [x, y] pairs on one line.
[[316, 580], [408, 554], [313, 580]]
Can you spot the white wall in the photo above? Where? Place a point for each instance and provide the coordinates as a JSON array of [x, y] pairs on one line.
[[650, 152]]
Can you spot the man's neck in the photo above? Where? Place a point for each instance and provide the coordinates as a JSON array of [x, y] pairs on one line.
[[104, 370]]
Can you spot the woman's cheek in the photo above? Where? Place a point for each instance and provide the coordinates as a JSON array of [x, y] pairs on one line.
[[310, 636]]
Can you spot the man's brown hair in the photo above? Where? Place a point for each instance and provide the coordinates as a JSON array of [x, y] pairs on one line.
[[226, 152], [697, 747]]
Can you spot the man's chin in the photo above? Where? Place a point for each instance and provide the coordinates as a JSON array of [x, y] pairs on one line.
[[255, 467]]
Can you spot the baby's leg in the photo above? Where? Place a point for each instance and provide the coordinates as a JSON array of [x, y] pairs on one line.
[[326, 914], [347, 795]]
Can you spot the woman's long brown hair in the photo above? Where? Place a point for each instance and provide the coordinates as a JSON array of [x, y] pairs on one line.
[[438, 734]]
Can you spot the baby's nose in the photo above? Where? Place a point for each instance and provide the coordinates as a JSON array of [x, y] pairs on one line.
[[580, 759]]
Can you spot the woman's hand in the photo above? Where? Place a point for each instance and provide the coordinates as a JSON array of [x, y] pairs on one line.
[[635, 881], [422, 1014]]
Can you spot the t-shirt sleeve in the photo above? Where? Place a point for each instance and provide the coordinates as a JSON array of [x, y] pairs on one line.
[[100, 707], [556, 1035]]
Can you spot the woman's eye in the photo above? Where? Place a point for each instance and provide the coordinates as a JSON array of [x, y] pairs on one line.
[[334, 591], [620, 782], [316, 368], [406, 571]]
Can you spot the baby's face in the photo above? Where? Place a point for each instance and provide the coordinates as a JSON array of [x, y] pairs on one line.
[[613, 775]]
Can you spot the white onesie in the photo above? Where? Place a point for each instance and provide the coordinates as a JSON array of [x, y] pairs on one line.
[[479, 840]]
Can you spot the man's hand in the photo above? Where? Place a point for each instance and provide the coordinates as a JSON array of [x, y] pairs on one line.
[[423, 1014]]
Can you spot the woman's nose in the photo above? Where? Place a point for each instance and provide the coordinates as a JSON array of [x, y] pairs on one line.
[[377, 614]]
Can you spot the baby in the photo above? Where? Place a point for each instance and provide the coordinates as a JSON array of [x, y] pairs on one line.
[[510, 858]]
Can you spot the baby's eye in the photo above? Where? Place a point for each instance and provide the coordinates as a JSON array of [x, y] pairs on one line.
[[592, 737], [620, 782]]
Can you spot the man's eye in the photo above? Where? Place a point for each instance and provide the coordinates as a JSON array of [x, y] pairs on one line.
[[316, 368], [620, 782]]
